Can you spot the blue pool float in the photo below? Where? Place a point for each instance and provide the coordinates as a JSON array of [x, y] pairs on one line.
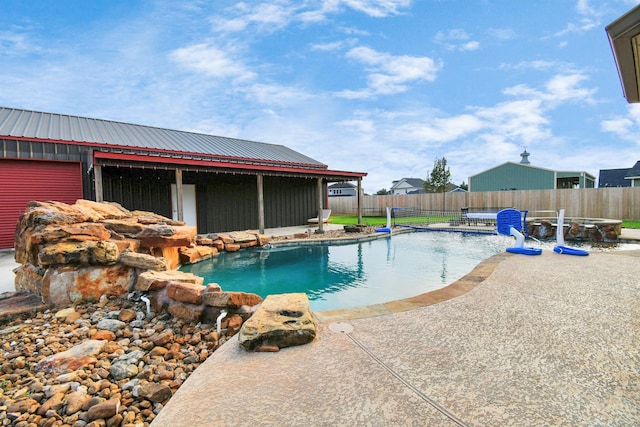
[[524, 250], [569, 251], [509, 222], [560, 248]]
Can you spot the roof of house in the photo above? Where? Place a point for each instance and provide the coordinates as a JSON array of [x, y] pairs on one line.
[[342, 185], [619, 177], [413, 182], [33, 125], [634, 172], [613, 178]]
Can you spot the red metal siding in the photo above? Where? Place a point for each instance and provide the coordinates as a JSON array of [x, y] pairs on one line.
[[22, 181]]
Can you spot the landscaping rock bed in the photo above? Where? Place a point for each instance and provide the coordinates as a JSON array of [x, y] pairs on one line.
[[141, 360]]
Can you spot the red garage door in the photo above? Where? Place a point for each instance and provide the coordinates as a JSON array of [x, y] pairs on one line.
[[24, 180]]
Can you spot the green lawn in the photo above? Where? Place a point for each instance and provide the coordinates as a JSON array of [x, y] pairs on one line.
[[381, 220], [353, 220]]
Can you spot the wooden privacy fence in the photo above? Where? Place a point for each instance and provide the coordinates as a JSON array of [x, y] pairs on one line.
[[611, 203]]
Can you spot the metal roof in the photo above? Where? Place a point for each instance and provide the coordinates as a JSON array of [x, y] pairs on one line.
[[25, 124]]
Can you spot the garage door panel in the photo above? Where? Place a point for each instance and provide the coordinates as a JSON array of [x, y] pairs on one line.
[[22, 181]]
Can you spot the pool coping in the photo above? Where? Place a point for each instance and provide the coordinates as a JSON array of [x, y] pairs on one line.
[[337, 240]]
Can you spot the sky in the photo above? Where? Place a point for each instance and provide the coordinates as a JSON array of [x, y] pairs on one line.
[[386, 87]]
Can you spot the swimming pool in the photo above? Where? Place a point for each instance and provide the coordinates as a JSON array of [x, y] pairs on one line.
[[352, 275]]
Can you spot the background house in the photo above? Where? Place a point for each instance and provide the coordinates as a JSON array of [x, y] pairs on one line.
[[523, 176], [215, 183], [620, 177], [342, 189], [407, 186]]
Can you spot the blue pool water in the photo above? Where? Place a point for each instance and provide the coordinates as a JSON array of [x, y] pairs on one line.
[[358, 274]]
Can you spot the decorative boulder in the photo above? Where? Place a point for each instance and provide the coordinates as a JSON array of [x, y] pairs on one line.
[[64, 286], [142, 261], [162, 235], [84, 231], [190, 255], [154, 280], [73, 359], [83, 253], [282, 320]]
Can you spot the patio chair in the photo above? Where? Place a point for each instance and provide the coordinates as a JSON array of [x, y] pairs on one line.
[[326, 213]]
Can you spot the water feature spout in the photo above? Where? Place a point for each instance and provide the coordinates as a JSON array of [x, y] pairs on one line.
[[560, 247], [222, 315], [148, 304], [386, 229]]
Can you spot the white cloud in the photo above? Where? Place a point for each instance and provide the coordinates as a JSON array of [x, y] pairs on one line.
[[456, 39], [539, 65], [272, 16], [377, 8], [558, 89], [473, 45], [334, 46], [267, 17], [562, 88], [440, 130], [625, 127], [275, 95], [13, 43], [502, 34], [210, 60], [389, 74], [589, 18], [359, 126]]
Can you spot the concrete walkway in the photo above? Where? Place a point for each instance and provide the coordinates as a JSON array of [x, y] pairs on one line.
[[546, 340], [7, 264]]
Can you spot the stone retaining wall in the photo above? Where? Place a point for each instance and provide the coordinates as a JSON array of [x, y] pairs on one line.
[[70, 254]]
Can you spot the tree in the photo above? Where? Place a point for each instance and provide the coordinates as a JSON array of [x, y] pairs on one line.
[[382, 192], [464, 186], [438, 178]]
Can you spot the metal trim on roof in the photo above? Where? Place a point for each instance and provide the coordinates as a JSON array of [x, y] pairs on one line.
[[132, 158]]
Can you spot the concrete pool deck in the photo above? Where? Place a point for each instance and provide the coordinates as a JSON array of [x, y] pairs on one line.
[[545, 340]]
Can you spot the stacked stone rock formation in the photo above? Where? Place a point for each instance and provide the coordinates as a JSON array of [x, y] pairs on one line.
[[598, 231], [70, 254]]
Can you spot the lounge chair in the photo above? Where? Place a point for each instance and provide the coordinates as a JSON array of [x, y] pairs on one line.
[[326, 213]]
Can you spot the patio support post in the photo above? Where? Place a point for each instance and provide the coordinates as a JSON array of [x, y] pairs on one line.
[[260, 183], [97, 174], [179, 202], [359, 200], [320, 207]]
